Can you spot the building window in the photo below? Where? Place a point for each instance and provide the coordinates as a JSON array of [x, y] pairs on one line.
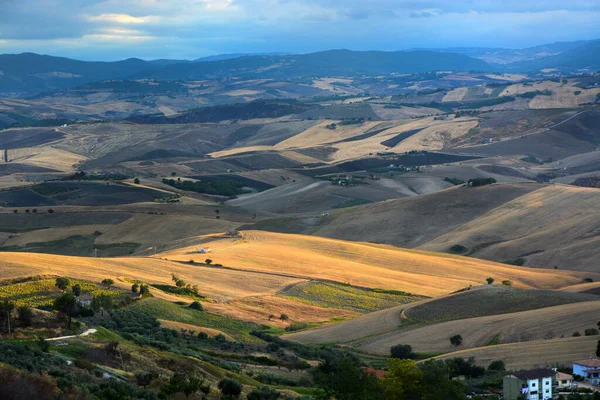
[[547, 391], [533, 384]]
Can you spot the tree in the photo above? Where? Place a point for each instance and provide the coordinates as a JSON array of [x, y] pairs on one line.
[[180, 283], [135, 288], [598, 349], [66, 304], [144, 290], [456, 340], [263, 393], [108, 282], [174, 277], [136, 181], [230, 388], [497, 365], [208, 261], [271, 316], [435, 383], [196, 305], [507, 282], [50, 211], [344, 379], [25, 315], [188, 385], [173, 173], [591, 332], [401, 351], [62, 283], [6, 308], [144, 378], [284, 317], [489, 280], [44, 346], [403, 380], [76, 289], [102, 302]]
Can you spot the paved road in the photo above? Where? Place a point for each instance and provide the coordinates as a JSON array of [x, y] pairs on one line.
[[89, 331]]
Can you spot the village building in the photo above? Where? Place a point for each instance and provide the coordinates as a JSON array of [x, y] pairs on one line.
[[589, 369], [536, 384]]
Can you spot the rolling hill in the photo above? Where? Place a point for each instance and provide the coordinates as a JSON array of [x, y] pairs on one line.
[[545, 226]]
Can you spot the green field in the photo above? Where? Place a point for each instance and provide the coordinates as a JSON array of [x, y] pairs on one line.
[[335, 295], [162, 309], [41, 293]]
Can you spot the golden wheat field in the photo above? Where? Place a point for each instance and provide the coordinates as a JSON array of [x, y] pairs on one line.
[[365, 264]]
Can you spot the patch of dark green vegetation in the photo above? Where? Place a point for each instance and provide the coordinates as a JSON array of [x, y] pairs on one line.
[[531, 95], [516, 261], [248, 182], [458, 249], [76, 245], [83, 176], [135, 87], [187, 291], [400, 137], [242, 111], [454, 181], [23, 230], [351, 203], [535, 160], [590, 181], [229, 188], [481, 181]]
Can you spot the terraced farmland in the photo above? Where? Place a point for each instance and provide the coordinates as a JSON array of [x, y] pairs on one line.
[[334, 295]]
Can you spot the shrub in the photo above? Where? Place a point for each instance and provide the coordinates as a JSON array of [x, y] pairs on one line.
[[62, 283], [135, 288], [44, 346], [263, 393], [507, 282], [489, 280], [497, 365], [25, 315], [196, 305], [84, 364], [76, 289], [591, 332], [108, 282], [202, 335], [576, 334], [50, 211], [588, 280], [136, 181], [208, 261], [296, 326], [401, 351], [456, 340], [481, 181], [230, 388], [458, 249], [284, 317]]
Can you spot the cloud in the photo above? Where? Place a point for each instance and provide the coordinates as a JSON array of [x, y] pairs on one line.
[[111, 29]]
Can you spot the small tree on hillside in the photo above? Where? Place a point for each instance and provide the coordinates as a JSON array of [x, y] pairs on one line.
[[144, 290], [284, 317], [76, 289], [108, 282], [136, 181], [489, 280], [135, 288], [174, 277], [62, 283], [180, 283], [66, 304], [401, 351], [208, 261], [598, 349], [230, 388], [456, 340]]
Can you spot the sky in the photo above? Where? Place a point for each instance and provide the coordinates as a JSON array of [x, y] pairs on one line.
[[107, 30]]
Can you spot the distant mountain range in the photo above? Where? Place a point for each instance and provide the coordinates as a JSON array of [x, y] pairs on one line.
[[30, 73]]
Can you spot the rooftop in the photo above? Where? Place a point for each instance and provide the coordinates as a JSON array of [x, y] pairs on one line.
[[535, 374], [562, 376], [590, 362]]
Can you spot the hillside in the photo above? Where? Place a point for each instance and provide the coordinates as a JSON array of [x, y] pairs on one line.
[[544, 225], [363, 264]]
